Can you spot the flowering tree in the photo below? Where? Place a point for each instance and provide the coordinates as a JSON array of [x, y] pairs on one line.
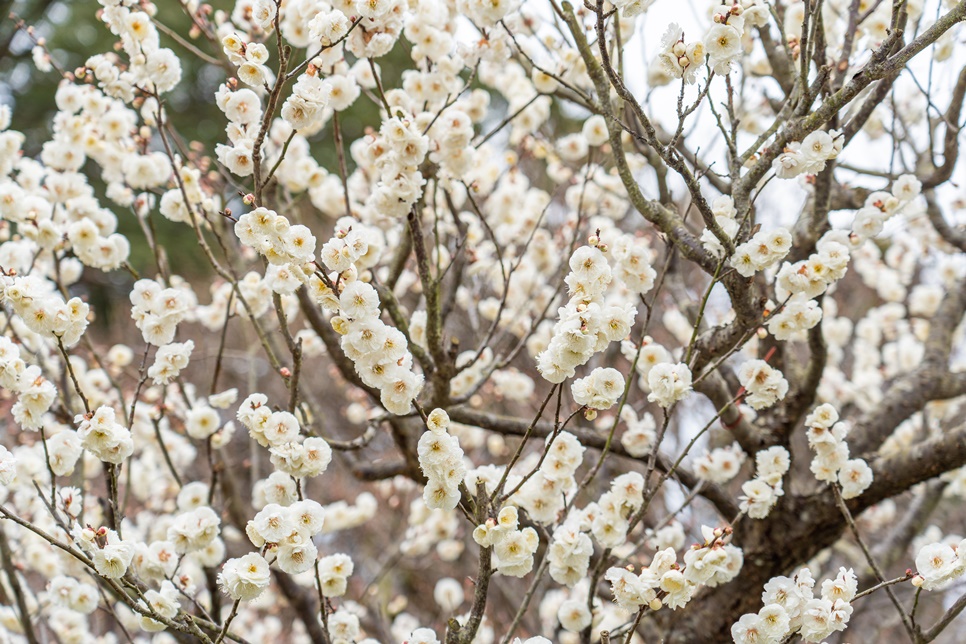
[[558, 348]]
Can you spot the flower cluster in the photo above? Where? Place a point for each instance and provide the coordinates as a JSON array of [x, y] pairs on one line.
[[542, 495], [668, 383], [585, 325], [725, 215], [569, 553], [341, 515], [35, 394], [664, 582], [762, 492], [722, 42], [284, 245], [193, 530], [631, 591], [826, 437], [714, 562], [610, 515], [395, 154], [678, 58], [353, 245], [761, 251], [159, 560], [451, 140], [43, 310], [269, 428], [600, 390], [721, 464], [245, 578], [91, 247], [632, 260], [243, 109], [287, 532], [305, 109], [334, 573], [796, 284], [647, 355], [640, 433], [110, 554], [169, 361], [799, 314], [157, 311], [163, 602], [763, 384], [380, 352], [809, 156], [292, 453], [441, 460], [939, 564], [152, 66], [303, 457], [790, 606], [513, 548], [881, 206], [250, 58], [101, 435], [75, 595], [428, 529]]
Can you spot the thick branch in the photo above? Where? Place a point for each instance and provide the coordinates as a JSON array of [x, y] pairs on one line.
[[921, 462], [931, 380]]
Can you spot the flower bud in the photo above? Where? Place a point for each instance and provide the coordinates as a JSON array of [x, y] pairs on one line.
[[340, 324]]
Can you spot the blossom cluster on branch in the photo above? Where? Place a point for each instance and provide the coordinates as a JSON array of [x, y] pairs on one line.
[[478, 367]]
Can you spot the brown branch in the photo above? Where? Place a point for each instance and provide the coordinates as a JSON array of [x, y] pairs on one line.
[[931, 380], [880, 65], [666, 220], [6, 557], [305, 605], [945, 621], [873, 564], [332, 343], [507, 425], [889, 550], [955, 236], [921, 462], [715, 388], [951, 118]]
